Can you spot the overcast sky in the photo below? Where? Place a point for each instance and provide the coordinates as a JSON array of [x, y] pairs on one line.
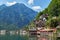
[[36, 5]]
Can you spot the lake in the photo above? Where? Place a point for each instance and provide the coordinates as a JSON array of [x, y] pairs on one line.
[[16, 37], [13, 37], [22, 35]]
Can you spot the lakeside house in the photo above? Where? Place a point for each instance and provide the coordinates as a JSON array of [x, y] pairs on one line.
[[48, 34], [23, 32], [58, 31], [33, 32], [13, 32], [18, 32], [2, 32]]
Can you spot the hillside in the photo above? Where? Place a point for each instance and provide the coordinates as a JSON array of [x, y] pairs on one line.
[[53, 11], [15, 16]]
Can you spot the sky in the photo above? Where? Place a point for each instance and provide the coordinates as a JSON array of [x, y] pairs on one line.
[[36, 5]]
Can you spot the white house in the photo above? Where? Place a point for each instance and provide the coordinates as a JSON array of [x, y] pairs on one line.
[[2, 32], [12, 32], [23, 32]]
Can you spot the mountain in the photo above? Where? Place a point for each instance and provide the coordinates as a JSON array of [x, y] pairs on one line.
[[16, 16], [2, 6]]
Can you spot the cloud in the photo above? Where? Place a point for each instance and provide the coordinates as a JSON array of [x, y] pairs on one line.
[[36, 8], [11, 3], [30, 2]]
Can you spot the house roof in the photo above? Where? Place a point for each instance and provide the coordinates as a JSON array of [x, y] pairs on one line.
[[47, 30], [58, 27]]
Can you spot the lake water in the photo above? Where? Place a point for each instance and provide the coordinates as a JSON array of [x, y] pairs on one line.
[[16, 37], [13, 37]]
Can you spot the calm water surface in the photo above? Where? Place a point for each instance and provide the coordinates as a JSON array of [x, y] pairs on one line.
[[16, 37]]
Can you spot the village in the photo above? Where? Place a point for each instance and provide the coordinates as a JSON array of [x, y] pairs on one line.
[[40, 31]]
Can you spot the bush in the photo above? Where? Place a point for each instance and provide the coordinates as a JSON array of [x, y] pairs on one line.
[[52, 23]]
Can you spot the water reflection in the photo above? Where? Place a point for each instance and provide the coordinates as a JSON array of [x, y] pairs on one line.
[[33, 38], [23, 35], [16, 37], [13, 37]]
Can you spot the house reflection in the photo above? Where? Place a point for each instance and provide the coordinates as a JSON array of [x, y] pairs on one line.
[[32, 37]]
